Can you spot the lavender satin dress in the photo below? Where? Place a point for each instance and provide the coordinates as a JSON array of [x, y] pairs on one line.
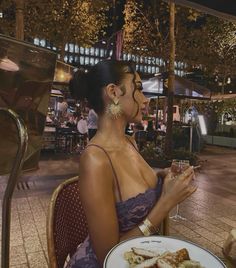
[[130, 213]]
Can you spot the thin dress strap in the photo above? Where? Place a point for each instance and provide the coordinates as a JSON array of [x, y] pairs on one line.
[[113, 169]]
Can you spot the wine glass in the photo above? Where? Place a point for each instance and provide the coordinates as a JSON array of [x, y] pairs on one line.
[[177, 167]]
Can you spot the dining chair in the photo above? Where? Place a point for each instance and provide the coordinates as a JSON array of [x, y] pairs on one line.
[[66, 223]]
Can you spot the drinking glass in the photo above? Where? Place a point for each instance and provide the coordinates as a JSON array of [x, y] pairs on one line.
[[177, 167]]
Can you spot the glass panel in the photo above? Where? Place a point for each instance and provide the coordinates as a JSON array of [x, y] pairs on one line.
[[71, 59], [149, 69], [149, 60], [141, 59], [101, 52], [145, 68], [86, 60], [42, 43], [157, 70], [96, 60], [128, 56], [153, 69], [110, 54], [157, 61], [36, 41], [81, 60], [76, 49], [66, 58], [97, 52], [66, 47], [91, 61], [136, 67], [145, 59], [76, 59], [161, 62], [86, 51], [81, 50], [71, 48], [92, 51], [141, 68]]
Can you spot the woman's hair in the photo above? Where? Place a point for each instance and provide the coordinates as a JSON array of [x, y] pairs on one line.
[[90, 85]]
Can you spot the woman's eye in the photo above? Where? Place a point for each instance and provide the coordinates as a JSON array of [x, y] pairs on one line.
[[139, 87]]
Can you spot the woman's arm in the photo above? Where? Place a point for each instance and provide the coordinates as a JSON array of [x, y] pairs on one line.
[[96, 186]]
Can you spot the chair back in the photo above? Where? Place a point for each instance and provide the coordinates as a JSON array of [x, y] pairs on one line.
[[66, 223]]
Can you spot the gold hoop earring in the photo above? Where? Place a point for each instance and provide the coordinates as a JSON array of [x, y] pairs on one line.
[[114, 109]]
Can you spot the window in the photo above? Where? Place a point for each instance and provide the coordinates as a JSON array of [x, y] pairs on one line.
[[36, 41], [96, 60], [149, 69], [101, 52], [91, 61], [157, 61], [153, 69], [124, 56], [92, 51], [145, 68], [82, 50], [141, 68], [157, 70], [66, 47], [42, 43], [86, 51], [81, 60], [96, 52], [141, 59], [128, 56], [66, 58], [86, 60], [76, 59], [71, 48], [76, 49], [71, 59]]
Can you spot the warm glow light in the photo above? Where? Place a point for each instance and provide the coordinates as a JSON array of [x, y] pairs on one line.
[[202, 124]]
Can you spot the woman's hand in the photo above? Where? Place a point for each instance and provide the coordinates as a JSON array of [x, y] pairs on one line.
[[178, 189]]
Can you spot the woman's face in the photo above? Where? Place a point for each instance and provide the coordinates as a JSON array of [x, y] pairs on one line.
[[133, 102]]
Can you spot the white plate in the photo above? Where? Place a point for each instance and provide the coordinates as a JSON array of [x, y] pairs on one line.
[[115, 257]]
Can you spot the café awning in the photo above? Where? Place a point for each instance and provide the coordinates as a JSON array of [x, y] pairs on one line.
[[183, 88], [225, 9]]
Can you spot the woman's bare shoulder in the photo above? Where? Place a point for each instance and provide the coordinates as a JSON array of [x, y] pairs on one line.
[[94, 163]]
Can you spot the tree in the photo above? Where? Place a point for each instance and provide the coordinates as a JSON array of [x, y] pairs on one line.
[[64, 21]]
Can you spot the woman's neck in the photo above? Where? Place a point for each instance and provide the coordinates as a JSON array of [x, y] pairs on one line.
[[111, 131]]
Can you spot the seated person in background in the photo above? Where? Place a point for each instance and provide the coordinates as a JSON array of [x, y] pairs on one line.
[[151, 133], [82, 127], [121, 194], [72, 122]]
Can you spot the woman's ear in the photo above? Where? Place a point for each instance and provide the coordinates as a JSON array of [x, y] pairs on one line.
[[112, 91]]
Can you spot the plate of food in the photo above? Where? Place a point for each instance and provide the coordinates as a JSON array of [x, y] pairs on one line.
[[160, 252]]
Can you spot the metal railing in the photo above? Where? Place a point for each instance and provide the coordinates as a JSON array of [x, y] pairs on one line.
[[14, 174]]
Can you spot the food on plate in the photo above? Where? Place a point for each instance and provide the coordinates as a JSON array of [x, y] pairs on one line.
[[145, 258]]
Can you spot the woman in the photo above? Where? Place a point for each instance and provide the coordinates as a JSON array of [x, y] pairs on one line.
[[121, 194]]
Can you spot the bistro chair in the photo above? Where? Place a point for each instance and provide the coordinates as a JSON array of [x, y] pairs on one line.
[[66, 223]]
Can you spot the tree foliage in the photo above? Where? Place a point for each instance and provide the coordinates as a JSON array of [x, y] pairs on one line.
[[202, 41], [63, 21]]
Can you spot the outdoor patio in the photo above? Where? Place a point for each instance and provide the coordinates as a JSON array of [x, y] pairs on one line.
[[210, 212]]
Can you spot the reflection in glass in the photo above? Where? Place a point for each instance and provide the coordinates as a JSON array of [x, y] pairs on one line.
[[26, 91]]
